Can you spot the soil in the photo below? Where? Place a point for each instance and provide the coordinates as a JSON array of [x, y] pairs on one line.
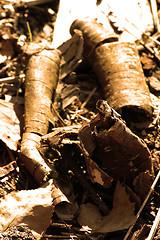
[[21, 24]]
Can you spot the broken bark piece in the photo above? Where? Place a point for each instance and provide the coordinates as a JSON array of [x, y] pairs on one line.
[[7, 169], [119, 71], [112, 145]]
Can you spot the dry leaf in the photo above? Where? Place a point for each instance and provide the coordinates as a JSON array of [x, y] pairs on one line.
[[9, 125], [121, 216], [31, 207], [72, 51]]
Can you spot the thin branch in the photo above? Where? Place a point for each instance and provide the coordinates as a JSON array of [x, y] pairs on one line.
[[154, 11], [154, 226], [11, 79], [88, 98]]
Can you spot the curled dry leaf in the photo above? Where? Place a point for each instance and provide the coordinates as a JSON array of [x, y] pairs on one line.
[[31, 207], [121, 216]]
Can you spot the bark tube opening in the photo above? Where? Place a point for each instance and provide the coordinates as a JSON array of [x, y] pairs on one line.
[[118, 69], [94, 34]]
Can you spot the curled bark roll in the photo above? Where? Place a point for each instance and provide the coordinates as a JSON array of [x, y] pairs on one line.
[[119, 71], [111, 145], [41, 80], [94, 34]]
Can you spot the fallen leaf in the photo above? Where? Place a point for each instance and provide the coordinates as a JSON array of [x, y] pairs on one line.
[[71, 51], [121, 216], [9, 125], [31, 207]]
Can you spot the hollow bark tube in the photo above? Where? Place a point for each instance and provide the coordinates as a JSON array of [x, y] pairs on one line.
[[41, 81], [119, 71]]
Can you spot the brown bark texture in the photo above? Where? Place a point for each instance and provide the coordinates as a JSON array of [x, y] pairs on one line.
[[112, 145], [118, 69], [41, 81]]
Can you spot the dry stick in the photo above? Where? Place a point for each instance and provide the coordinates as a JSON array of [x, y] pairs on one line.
[[88, 98], [157, 58], [143, 205], [148, 36], [154, 226], [154, 11], [11, 79], [30, 2]]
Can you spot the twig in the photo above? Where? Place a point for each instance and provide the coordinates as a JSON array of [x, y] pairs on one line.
[[11, 79], [154, 226], [153, 5], [88, 98], [145, 34], [29, 2], [143, 205], [59, 117], [157, 57]]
